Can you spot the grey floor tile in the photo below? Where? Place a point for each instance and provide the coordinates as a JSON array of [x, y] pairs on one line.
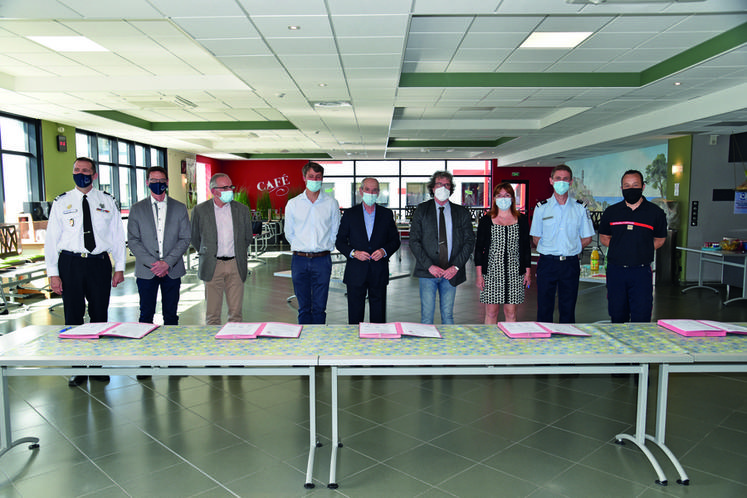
[[529, 464], [429, 463], [76, 480], [480, 481], [585, 481]]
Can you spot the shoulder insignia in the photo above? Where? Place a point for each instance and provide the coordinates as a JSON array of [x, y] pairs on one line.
[[60, 196], [542, 202], [107, 193]]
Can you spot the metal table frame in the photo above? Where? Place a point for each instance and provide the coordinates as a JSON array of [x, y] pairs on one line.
[[718, 258]]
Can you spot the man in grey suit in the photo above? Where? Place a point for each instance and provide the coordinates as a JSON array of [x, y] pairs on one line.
[[222, 233], [442, 242], [158, 236]]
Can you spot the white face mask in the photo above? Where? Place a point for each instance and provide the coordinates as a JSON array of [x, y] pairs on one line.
[[442, 194], [369, 199], [503, 203], [314, 185]]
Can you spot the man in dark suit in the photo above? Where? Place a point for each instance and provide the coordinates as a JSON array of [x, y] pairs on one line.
[[442, 241], [221, 234], [368, 237], [158, 235]]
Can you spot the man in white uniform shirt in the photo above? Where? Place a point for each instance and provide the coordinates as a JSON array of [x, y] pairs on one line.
[[158, 234], [84, 228], [312, 220]]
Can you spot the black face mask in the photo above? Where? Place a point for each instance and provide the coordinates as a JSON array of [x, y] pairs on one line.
[[632, 195]]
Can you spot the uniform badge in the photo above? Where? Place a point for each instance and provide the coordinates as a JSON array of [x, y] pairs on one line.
[[630, 227], [101, 206], [71, 221], [69, 206]]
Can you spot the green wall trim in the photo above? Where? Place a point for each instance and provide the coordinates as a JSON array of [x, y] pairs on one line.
[[489, 144], [717, 45], [192, 125], [488, 80], [294, 155], [709, 48]]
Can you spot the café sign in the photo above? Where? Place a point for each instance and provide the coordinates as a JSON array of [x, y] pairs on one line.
[[278, 185]]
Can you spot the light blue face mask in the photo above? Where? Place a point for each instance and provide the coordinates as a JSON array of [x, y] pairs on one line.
[[314, 185], [226, 196], [503, 203], [370, 199], [561, 187]]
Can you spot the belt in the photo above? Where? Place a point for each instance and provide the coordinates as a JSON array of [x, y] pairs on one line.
[[630, 266], [311, 254], [84, 255], [557, 258], [225, 258]]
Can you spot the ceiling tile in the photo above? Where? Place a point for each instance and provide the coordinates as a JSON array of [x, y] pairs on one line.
[[216, 28], [302, 46], [370, 25], [235, 46], [298, 7], [196, 8]]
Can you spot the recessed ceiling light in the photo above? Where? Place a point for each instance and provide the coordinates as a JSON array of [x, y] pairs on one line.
[[677, 83], [294, 28], [68, 43], [555, 39], [322, 85]]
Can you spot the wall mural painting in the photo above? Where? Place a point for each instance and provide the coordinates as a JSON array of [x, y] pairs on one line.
[[596, 180]]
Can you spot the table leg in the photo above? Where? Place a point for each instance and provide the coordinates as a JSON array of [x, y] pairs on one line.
[[313, 442], [335, 437], [640, 426], [700, 278], [7, 437]]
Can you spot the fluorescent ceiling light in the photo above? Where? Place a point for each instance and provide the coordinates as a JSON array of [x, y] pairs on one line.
[[555, 39], [68, 43]]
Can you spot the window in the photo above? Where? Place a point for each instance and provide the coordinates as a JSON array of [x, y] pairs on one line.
[[19, 166], [403, 184], [122, 165]]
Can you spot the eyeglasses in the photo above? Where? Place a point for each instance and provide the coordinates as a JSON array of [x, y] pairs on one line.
[[226, 188]]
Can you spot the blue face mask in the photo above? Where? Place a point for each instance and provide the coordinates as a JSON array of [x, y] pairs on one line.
[[157, 188], [503, 203], [314, 185], [561, 187], [370, 199], [82, 180], [226, 196]]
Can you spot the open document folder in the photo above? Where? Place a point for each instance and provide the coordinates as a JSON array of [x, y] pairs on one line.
[[108, 329], [396, 330], [701, 328], [531, 330], [236, 330]]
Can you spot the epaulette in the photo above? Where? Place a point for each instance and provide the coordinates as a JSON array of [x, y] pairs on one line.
[[541, 202], [60, 196], [107, 193], [580, 202]]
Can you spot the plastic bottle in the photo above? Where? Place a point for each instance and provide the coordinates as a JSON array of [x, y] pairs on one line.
[[595, 260]]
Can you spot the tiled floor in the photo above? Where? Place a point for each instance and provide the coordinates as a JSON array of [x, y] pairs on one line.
[[538, 436]]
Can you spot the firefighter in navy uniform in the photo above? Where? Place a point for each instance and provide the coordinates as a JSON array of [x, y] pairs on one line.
[[561, 228], [84, 228], [632, 229]]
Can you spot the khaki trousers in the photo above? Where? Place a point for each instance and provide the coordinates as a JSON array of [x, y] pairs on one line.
[[226, 280]]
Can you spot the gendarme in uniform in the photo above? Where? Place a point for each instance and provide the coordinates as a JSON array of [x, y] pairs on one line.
[[560, 228], [86, 275]]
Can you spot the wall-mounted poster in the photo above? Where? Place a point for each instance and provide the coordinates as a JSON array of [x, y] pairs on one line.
[[417, 193], [472, 194], [740, 202]]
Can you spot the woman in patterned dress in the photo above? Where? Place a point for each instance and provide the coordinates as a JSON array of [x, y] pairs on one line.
[[503, 256]]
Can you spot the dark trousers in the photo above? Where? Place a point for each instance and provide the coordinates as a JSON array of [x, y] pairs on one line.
[[630, 293], [311, 286], [148, 290], [561, 276], [357, 303], [85, 279]]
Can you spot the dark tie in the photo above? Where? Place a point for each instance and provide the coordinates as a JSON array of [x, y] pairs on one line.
[[88, 239], [443, 248]]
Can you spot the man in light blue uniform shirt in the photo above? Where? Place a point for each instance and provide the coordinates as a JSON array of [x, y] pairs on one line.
[[561, 228], [312, 220]]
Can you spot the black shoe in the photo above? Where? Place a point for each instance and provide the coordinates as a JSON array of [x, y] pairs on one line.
[[76, 380], [144, 377], [100, 378]]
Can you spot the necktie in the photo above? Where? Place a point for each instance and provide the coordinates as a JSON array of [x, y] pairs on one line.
[[88, 239], [158, 226], [443, 248]]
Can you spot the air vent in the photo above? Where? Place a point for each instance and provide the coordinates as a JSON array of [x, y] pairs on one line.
[[476, 109]]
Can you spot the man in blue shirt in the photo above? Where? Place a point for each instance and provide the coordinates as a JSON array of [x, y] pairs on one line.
[[561, 228]]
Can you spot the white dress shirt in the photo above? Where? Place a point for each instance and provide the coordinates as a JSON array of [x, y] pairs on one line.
[[65, 228], [224, 223], [159, 215], [312, 226]]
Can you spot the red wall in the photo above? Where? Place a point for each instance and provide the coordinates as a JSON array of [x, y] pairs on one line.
[[537, 177], [279, 177]]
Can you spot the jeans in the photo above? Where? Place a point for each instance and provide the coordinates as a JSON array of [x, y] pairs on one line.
[[446, 291], [311, 286], [148, 290]]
